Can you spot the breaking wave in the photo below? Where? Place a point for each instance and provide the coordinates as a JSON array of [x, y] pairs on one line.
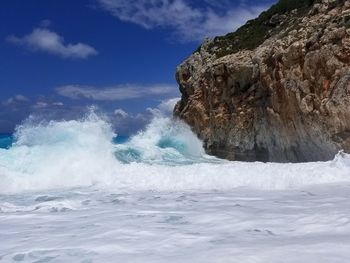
[[165, 156]]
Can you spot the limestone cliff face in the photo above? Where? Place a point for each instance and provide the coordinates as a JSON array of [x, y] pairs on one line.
[[285, 100]]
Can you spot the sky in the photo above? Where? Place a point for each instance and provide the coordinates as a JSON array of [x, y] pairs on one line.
[[57, 58]]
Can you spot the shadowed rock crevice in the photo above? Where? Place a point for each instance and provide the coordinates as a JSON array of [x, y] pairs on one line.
[[285, 100]]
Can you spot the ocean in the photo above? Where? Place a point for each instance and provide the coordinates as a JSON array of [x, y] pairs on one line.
[[75, 191]]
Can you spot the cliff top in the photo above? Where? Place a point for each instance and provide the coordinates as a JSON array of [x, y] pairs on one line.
[[280, 16]]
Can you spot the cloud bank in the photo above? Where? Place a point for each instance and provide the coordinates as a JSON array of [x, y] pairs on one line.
[[127, 123], [187, 21], [18, 107], [116, 93], [45, 40]]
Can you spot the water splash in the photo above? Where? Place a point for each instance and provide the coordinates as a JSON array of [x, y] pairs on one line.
[[165, 156], [164, 141]]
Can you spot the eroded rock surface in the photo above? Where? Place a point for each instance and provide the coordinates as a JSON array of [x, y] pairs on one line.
[[287, 100]]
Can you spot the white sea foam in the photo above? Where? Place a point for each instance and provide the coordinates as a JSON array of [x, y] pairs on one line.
[[242, 225], [166, 156], [69, 194], [58, 154]]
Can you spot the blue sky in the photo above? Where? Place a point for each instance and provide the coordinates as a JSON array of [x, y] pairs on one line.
[[58, 57]]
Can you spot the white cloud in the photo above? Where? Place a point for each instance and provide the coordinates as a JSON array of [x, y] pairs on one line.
[[116, 93], [165, 108], [20, 97], [121, 113], [45, 23], [40, 105], [42, 39], [58, 103], [128, 123], [17, 99], [44, 102], [187, 22]]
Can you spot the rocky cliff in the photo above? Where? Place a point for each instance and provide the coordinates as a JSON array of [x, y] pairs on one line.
[[277, 89]]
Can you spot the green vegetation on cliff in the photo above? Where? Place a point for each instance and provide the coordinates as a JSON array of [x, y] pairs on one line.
[[256, 31]]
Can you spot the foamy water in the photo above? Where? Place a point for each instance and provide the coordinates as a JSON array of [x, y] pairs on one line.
[[68, 193]]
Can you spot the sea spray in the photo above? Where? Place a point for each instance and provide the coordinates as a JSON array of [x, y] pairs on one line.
[[58, 154], [164, 141], [165, 156]]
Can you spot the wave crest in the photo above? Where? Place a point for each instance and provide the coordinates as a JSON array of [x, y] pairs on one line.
[[165, 156]]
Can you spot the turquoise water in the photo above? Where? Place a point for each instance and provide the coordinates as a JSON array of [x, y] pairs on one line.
[[120, 139], [6, 140]]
